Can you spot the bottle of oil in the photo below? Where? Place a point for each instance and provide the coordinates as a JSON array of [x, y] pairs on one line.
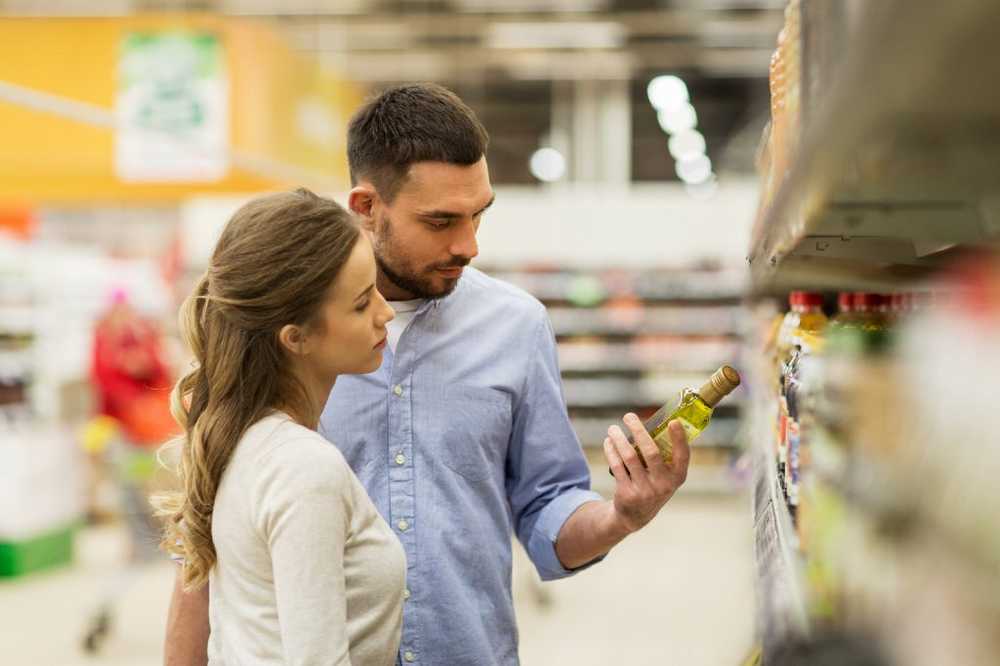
[[693, 410]]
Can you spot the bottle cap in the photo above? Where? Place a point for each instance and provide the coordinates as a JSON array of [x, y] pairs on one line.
[[845, 301], [813, 300], [721, 384], [866, 302]]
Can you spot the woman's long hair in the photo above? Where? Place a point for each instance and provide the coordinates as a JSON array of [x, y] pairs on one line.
[[273, 265]]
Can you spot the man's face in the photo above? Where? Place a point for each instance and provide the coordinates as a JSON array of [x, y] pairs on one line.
[[428, 233]]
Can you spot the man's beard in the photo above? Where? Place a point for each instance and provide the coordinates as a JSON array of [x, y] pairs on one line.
[[408, 281]]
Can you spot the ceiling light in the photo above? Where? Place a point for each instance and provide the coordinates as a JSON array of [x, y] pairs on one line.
[[548, 165], [694, 170], [681, 119], [667, 93], [686, 144]]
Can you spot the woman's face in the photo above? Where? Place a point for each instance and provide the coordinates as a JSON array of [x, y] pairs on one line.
[[351, 334]]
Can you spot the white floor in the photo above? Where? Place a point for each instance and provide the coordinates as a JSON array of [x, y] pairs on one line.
[[680, 592]]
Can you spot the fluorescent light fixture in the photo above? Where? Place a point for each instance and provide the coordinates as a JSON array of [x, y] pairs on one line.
[[694, 170], [667, 93], [680, 120], [687, 144]]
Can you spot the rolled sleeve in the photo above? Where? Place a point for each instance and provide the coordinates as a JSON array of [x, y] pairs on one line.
[[547, 475], [541, 544]]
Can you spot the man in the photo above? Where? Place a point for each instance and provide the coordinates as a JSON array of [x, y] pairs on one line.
[[461, 437]]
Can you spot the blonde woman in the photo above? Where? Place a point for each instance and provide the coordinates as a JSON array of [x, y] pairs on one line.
[[300, 566]]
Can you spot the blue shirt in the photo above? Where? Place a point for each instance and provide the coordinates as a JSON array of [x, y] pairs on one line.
[[462, 439]]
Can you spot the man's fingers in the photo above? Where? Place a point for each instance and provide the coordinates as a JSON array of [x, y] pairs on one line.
[[647, 447], [615, 464], [633, 464], [681, 455]]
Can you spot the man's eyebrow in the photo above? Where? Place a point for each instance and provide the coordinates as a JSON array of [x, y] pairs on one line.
[[364, 293], [451, 215]]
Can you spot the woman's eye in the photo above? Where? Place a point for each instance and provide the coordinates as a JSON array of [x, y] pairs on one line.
[[363, 306]]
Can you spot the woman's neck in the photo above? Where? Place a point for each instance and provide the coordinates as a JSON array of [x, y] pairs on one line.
[[317, 394]]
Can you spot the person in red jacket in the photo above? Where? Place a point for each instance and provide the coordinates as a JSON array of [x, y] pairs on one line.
[[131, 380]]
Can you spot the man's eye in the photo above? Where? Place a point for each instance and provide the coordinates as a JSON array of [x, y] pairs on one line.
[[438, 225], [363, 306]]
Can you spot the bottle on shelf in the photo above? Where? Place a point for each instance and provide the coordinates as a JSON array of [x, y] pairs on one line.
[[693, 410], [807, 337], [846, 316], [812, 320]]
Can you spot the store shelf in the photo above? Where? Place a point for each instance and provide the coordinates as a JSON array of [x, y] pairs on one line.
[[897, 163], [688, 356], [596, 287], [692, 320], [782, 606]]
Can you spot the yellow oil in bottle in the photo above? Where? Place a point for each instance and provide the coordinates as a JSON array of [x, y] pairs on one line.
[[693, 410]]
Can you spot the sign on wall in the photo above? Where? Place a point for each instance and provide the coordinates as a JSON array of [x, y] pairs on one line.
[[172, 108]]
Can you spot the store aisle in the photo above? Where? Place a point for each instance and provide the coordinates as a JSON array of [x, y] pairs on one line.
[[680, 592]]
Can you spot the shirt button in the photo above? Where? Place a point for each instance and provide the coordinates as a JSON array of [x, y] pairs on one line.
[[406, 593], [409, 656], [400, 459], [397, 389], [403, 525]]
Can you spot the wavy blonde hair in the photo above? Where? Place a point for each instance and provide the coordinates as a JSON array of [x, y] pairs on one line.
[[273, 265]]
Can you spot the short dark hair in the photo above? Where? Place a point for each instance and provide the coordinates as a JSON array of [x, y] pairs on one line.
[[421, 122]]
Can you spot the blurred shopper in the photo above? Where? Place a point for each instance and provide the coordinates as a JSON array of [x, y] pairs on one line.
[[130, 377], [300, 567], [461, 436], [131, 382]]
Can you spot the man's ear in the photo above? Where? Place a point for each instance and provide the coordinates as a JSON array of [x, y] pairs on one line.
[[361, 201], [293, 339]]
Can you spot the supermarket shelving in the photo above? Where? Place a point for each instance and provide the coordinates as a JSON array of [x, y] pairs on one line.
[[899, 153], [894, 178]]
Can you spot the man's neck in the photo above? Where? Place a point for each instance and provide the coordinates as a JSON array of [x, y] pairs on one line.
[[390, 290]]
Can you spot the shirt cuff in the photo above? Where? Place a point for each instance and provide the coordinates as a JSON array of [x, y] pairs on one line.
[[542, 544]]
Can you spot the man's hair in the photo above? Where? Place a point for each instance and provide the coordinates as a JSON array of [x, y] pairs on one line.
[[421, 122]]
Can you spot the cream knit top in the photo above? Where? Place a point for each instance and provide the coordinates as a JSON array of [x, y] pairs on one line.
[[308, 572]]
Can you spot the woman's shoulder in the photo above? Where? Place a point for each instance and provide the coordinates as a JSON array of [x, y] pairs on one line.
[[293, 453]]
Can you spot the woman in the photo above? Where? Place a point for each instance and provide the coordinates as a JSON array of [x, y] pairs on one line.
[[301, 567]]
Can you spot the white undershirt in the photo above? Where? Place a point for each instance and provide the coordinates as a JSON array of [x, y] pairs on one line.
[[405, 311]]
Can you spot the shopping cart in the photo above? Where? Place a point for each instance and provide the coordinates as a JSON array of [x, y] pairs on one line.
[[136, 473]]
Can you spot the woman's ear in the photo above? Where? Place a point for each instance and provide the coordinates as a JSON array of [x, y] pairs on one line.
[[361, 201], [293, 339]]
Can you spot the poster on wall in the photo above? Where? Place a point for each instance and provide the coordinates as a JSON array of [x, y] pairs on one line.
[[172, 108]]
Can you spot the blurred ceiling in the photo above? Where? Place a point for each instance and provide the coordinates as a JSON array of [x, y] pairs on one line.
[[512, 59]]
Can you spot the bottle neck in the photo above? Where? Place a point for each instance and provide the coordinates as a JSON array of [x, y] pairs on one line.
[[710, 395]]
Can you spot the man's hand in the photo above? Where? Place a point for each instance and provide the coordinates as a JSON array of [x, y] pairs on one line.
[[641, 491]]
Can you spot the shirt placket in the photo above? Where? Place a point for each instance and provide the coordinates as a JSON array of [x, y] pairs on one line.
[[402, 483]]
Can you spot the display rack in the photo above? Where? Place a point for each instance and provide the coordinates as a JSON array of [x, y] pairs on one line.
[[888, 182], [896, 163]]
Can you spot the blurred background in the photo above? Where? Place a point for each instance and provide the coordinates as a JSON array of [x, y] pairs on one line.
[[806, 189]]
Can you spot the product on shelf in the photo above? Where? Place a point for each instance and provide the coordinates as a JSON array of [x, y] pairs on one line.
[[869, 328], [846, 314], [801, 333], [693, 410]]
